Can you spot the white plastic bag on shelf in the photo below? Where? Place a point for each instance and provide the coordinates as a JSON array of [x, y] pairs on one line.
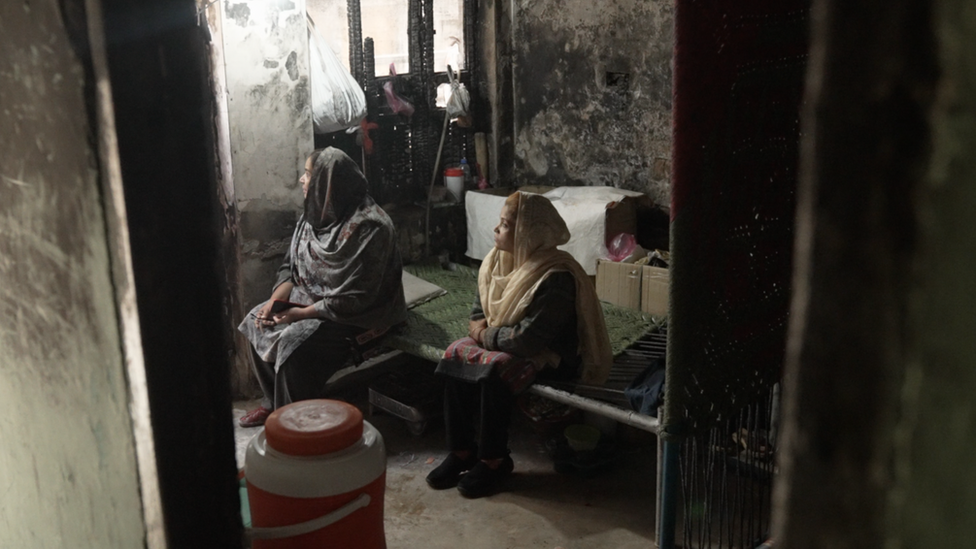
[[337, 100]]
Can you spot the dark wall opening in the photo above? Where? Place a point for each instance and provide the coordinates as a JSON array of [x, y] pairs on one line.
[[158, 62]]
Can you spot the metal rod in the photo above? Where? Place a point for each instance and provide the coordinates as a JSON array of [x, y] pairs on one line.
[[634, 419], [608, 390]]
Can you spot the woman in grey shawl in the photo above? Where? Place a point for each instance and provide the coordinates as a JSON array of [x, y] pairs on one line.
[[343, 269]]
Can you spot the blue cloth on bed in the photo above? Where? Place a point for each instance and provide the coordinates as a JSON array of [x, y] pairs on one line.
[[646, 392]]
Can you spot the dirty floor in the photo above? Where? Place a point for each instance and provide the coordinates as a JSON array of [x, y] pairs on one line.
[[538, 508]]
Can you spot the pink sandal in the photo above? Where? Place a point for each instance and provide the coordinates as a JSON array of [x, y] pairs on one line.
[[255, 418]]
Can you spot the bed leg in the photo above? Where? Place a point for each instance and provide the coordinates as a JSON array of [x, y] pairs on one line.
[[658, 465], [667, 493]]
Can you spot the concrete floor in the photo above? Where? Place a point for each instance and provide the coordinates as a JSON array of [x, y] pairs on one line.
[[538, 508]]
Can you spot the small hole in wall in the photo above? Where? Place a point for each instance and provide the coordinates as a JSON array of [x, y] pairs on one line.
[[618, 80]]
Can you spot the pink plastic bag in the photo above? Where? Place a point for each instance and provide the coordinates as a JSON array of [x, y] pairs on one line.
[[622, 246]]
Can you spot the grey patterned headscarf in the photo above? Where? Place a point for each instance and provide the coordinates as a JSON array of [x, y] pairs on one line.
[[344, 254]]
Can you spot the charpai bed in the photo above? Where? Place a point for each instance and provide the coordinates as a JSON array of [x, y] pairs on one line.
[[636, 338]]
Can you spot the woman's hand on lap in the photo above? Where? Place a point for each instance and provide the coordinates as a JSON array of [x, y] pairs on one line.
[[476, 328], [295, 314], [263, 317]]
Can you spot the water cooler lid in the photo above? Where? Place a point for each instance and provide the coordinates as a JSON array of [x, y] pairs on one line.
[[454, 172], [314, 427]]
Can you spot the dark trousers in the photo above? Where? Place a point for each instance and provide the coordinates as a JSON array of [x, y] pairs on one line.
[[486, 404], [305, 373]]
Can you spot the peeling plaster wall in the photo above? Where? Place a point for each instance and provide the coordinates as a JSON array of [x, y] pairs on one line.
[[572, 126], [266, 56], [68, 474]]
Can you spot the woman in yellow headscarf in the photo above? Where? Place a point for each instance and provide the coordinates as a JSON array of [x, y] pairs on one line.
[[536, 313]]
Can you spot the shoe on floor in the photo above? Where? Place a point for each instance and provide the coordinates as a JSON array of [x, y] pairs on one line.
[[446, 474], [482, 480], [255, 418]]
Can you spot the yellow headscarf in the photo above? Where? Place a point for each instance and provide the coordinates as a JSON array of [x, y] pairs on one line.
[[507, 282]]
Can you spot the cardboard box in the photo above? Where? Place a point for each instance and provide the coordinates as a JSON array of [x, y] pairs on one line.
[[654, 290], [634, 286], [619, 283]]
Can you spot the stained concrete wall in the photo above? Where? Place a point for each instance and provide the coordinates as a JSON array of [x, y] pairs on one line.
[[878, 439], [267, 76], [592, 93], [68, 475]]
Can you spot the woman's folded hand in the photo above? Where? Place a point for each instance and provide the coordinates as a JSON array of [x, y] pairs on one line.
[[476, 328], [295, 314]]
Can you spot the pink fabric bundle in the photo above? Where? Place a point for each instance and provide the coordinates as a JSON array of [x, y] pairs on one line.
[[397, 103]]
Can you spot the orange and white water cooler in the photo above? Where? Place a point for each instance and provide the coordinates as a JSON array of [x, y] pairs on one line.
[[316, 477]]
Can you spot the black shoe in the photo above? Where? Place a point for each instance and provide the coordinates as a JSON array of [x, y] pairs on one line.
[[482, 480], [446, 474]]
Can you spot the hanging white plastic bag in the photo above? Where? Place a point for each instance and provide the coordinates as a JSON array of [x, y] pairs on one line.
[[337, 100], [453, 96]]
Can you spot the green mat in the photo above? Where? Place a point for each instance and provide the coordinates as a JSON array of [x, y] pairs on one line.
[[433, 326]]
